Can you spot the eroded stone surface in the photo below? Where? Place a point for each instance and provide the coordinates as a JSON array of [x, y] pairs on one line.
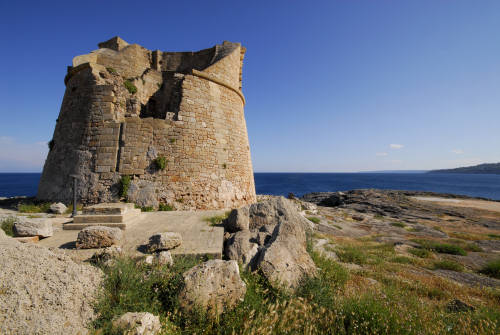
[[24, 226], [138, 324], [164, 241]]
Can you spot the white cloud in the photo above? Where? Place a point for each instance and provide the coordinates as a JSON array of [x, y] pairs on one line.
[[457, 151], [396, 146], [21, 157], [381, 154]]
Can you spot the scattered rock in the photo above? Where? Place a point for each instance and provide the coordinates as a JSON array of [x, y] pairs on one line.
[[240, 249], [138, 324], [276, 211], [27, 239], [237, 220], [58, 208], [149, 259], [41, 227], [357, 217], [44, 292], [457, 305], [214, 285], [164, 258], [98, 237], [107, 255], [164, 241]]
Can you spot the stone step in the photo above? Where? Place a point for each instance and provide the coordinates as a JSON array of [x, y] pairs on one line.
[[118, 208], [109, 218], [130, 219]]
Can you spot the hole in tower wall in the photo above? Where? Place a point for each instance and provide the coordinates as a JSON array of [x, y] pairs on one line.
[[165, 102]]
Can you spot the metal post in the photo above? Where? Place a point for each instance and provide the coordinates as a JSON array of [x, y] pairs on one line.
[[75, 186]]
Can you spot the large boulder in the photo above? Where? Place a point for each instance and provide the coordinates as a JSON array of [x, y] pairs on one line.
[[98, 237], [275, 242], [213, 286], [41, 227], [240, 248], [164, 241], [138, 324], [58, 208], [44, 291]]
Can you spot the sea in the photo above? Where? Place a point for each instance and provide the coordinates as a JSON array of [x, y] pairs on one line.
[[476, 185]]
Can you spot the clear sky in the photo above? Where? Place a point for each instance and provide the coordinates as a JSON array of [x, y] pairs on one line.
[[330, 85]]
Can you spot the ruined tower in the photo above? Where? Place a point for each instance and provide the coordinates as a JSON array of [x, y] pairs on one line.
[[171, 121]]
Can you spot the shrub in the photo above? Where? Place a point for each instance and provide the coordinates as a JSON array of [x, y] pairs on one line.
[[111, 70], [398, 224], [51, 143], [7, 226], [124, 185], [160, 163], [172, 140], [443, 248], [43, 207], [130, 86], [448, 265], [494, 236], [492, 269], [165, 208], [216, 219], [147, 209], [314, 219]]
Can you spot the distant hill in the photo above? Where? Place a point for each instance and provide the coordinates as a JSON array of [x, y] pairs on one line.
[[489, 168]]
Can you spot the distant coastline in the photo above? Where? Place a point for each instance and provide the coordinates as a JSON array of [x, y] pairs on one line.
[[488, 168]]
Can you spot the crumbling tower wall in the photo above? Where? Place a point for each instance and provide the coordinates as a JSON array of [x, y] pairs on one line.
[[125, 106]]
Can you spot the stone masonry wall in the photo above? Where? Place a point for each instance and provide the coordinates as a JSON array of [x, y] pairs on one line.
[[192, 115]]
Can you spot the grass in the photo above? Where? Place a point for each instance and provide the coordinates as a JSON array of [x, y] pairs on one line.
[[216, 220], [147, 209], [494, 236], [378, 217], [69, 210], [314, 219], [130, 86], [398, 224], [334, 302], [492, 269], [448, 265], [165, 208], [43, 207], [443, 248], [352, 254], [422, 253], [402, 260], [7, 225]]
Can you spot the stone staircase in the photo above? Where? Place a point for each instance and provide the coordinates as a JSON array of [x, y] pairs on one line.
[[118, 215]]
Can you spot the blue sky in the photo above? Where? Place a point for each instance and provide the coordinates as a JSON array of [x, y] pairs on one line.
[[330, 85]]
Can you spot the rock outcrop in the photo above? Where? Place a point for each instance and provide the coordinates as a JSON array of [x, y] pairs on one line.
[[44, 292], [58, 208], [213, 286], [274, 243]]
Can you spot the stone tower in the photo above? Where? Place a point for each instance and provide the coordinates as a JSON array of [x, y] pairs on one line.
[[127, 108]]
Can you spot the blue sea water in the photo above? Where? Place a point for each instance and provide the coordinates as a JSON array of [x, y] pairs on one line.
[[477, 185]]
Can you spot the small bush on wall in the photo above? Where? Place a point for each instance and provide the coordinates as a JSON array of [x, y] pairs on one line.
[[160, 163]]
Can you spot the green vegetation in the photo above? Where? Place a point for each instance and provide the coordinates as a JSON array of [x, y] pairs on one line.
[[147, 209], [337, 226], [443, 248], [352, 254], [165, 208], [398, 224], [448, 265], [492, 269], [160, 163], [402, 260], [378, 217], [494, 236], [224, 166], [7, 225], [124, 185], [422, 253], [130, 87], [43, 207], [111, 70], [172, 140], [333, 302], [216, 220], [70, 208], [51, 143], [314, 219]]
